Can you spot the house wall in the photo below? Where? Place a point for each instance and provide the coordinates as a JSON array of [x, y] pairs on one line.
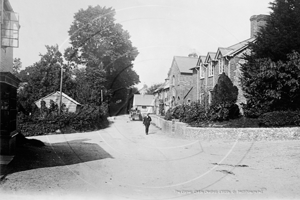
[[71, 106], [6, 62], [195, 81], [186, 87], [182, 84]]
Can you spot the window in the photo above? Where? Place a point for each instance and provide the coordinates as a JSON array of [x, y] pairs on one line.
[[221, 66], [173, 80], [144, 107], [209, 97], [189, 102], [211, 69], [202, 71]]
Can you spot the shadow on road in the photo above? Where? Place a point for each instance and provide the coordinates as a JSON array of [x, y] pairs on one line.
[[56, 154]]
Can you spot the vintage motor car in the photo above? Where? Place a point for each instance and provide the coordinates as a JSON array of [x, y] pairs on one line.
[[135, 115]]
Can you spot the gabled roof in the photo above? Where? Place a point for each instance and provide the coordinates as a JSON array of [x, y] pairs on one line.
[[223, 51], [166, 84], [57, 93], [237, 48], [185, 63], [163, 86], [210, 55], [201, 59], [143, 100]]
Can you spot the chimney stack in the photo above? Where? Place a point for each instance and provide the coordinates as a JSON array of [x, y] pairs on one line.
[[257, 21]]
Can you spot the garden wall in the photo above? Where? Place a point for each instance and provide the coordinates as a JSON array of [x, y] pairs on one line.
[[176, 128]]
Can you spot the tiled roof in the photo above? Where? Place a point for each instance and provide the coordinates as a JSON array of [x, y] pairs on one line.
[[200, 59], [212, 55], [238, 47], [143, 100], [185, 63]]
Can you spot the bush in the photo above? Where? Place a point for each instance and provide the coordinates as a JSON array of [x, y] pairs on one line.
[[195, 114], [89, 118], [224, 96], [280, 118], [218, 113]]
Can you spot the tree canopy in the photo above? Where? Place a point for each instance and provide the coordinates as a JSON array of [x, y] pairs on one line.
[[281, 34], [153, 87], [270, 76], [105, 49], [43, 77]]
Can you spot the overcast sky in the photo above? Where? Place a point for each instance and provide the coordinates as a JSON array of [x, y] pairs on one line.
[[160, 29]]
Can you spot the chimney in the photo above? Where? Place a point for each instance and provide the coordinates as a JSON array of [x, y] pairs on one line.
[[257, 21]]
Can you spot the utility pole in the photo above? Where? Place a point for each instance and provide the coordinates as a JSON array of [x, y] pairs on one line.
[[60, 90]]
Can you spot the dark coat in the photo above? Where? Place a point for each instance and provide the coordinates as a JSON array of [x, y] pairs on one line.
[[147, 120]]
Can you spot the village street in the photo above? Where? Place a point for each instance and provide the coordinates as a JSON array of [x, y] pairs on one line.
[[121, 162]]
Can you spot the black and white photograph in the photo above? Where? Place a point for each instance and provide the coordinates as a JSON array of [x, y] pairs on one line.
[[149, 99]]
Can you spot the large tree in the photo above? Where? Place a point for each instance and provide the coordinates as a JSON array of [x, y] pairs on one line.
[[281, 34], [43, 77], [105, 49], [270, 76]]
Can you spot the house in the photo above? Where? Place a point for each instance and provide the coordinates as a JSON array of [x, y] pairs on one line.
[[226, 60], [71, 104], [161, 96], [180, 77], [198, 78], [144, 103], [8, 82]]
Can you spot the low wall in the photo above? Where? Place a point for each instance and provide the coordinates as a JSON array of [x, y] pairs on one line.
[[244, 134]]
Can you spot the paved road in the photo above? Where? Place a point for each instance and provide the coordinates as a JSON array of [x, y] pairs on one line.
[[121, 162]]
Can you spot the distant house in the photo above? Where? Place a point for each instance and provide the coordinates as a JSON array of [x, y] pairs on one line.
[[144, 103], [181, 82], [161, 95], [71, 104]]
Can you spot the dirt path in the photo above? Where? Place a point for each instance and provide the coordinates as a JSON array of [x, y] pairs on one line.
[[121, 162]]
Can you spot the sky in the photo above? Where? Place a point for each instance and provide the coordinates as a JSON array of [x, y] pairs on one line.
[[159, 29]]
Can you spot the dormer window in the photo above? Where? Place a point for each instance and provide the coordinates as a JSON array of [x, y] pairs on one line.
[[210, 68], [202, 71], [221, 66]]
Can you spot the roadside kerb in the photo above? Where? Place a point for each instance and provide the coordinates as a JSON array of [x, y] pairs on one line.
[[210, 133]]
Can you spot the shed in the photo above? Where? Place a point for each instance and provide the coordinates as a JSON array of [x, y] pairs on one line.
[[144, 103], [71, 104]]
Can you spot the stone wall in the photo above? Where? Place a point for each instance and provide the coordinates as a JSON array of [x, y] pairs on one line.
[[242, 134]]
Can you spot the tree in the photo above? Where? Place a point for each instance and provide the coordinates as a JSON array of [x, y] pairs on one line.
[[43, 77], [281, 34], [276, 86], [153, 87], [270, 76], [224, 97], [17, 65], [104, 48]]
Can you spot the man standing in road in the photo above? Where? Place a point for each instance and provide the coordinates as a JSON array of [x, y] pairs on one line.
[[146, 121]]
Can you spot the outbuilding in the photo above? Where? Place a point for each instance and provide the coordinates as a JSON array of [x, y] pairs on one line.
[[71, 104], [144, 103]]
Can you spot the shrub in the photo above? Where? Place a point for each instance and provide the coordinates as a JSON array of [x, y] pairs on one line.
[[280, 118], [89, 118], [194, 114], [224, 97]]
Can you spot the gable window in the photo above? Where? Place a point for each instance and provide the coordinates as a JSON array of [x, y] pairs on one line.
[[202, 71], [210, 69], [173, 80], [221, 66]]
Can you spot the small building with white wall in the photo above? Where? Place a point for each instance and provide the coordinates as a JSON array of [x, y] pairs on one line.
[[71, 104]]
